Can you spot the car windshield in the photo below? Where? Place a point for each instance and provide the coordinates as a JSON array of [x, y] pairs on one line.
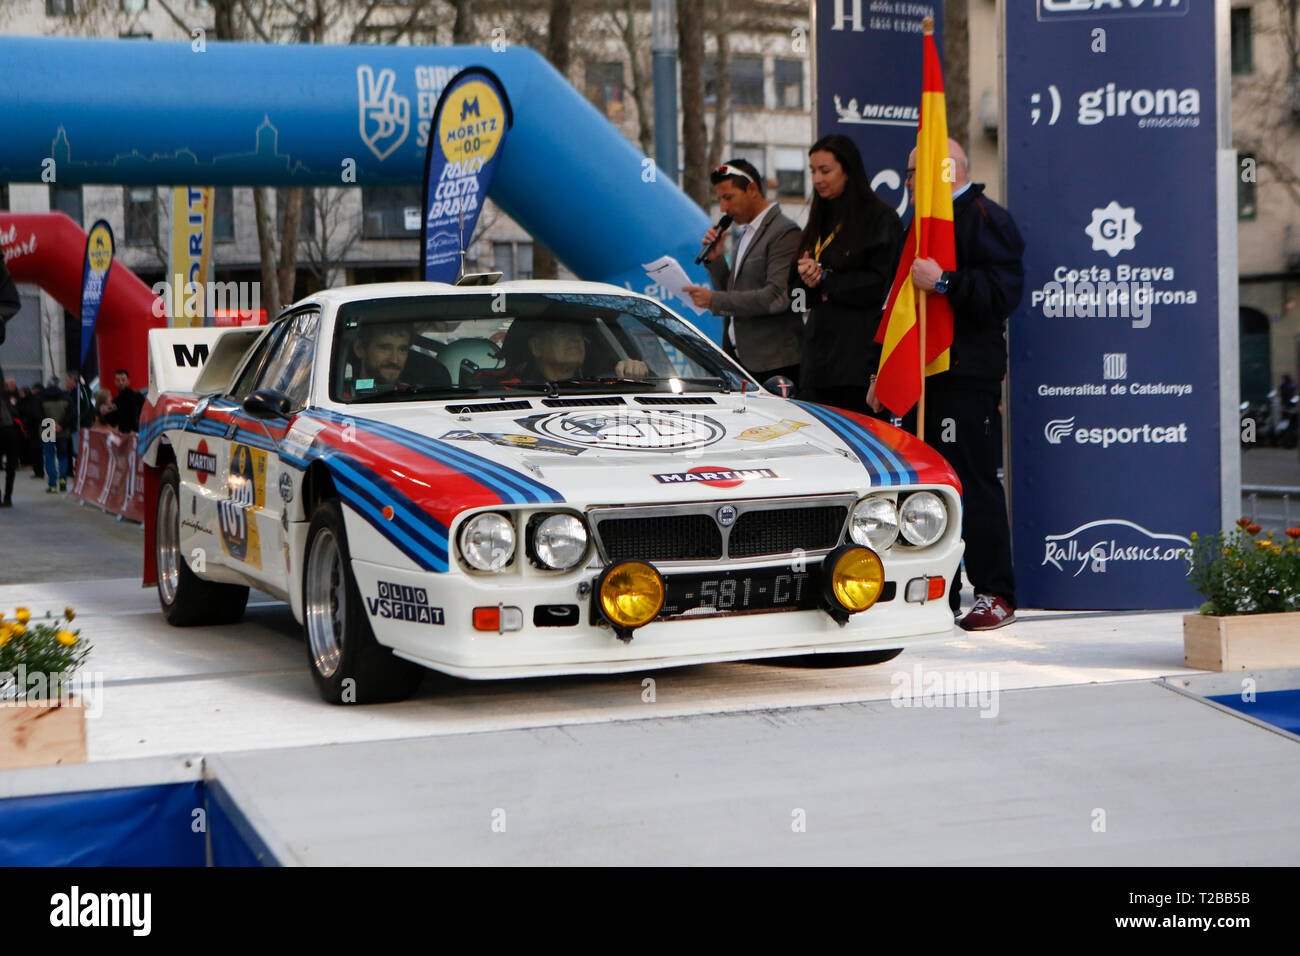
[[499, 343]]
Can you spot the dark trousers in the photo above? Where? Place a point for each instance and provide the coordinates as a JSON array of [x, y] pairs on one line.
[[966, 428], [35, 454], [55, 455], [10, 448]]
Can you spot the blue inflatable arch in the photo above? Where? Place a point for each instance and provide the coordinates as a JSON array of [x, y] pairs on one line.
[[153, 113]]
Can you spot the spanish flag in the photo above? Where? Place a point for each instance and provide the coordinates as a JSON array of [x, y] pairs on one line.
[[898, 385]]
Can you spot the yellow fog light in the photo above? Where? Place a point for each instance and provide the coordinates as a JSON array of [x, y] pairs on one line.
[[631, 594], [853, 579]]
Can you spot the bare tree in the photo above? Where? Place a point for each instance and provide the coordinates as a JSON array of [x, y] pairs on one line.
[[559, 50], [1266, 101], [690, 52], [635, 41], [956, 68], [330, 242], [721, 83]]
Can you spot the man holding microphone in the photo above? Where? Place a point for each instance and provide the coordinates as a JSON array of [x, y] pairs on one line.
[[752, 294]]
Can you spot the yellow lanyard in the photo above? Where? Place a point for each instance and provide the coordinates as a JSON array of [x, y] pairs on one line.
[[822, 244]]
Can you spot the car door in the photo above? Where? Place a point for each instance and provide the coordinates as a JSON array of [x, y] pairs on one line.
[[241, 448], [203, 457], [262, 481]]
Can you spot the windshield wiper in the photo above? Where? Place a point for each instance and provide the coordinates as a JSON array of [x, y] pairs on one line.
[[403, 393], [721, 383], [604, 382]]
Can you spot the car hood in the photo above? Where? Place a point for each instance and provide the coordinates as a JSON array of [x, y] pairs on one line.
[[639, 452]]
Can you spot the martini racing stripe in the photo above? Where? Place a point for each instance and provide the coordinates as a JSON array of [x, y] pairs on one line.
[[412, 531], [512, 486], [884, 464]]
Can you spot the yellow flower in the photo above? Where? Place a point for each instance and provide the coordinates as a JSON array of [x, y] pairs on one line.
[[22, 614], [4, 636], [66, 638], [17, 630], [69, 613]]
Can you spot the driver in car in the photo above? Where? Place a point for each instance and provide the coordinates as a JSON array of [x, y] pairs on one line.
[[382, 350], [557, 351]]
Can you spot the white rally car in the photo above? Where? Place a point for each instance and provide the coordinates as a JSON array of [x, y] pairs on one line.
[[528, 478]]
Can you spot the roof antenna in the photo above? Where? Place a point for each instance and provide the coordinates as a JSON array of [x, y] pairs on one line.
[[460, 217], [471, 278]]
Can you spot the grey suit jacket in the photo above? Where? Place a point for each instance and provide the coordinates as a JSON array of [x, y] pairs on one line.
[[768, 334]]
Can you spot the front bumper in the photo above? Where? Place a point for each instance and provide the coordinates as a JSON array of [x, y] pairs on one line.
[[443, 638]]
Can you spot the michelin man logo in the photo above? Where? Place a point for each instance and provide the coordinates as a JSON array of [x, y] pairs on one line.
[[1113, 229], [385, 114]]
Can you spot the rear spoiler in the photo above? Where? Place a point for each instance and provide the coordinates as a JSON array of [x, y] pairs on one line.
[[192, 360]]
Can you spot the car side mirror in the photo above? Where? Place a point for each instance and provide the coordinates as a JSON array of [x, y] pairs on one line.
[[268, 403]]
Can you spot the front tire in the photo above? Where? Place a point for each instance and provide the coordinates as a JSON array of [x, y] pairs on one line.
[[186, 598], [851, 659], [348, 665]]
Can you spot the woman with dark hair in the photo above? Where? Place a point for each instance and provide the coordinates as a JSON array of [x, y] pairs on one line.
[[847, 256]]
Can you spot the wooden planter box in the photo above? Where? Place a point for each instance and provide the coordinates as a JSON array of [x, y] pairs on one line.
[[42, 733], [1242, 641]]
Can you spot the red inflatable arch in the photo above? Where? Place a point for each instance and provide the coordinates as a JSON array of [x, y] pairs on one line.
[[49, 250]]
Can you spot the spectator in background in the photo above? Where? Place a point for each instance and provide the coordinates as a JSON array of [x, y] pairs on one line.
[[123, 412], [10, 440], [30, 408], [845, 266], [103, 398], [58, 421], [1286, 389], [84, 407]]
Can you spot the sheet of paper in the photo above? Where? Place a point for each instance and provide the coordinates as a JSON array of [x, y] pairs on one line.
[[669, 274]]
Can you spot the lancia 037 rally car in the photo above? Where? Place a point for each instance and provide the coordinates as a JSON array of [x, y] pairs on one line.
[[529, 478]]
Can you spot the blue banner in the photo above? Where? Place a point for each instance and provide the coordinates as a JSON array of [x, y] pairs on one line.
[[467, 136], [869, 82], [364, 119], [94, 276], [1114, 392]]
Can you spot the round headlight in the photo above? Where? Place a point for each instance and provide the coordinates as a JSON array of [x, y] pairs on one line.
[[560, 541], [874, 523], [631, 594], [487, 541], [922, 518], [857, 578]]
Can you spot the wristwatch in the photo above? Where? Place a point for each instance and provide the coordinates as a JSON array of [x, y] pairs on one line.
[[941, 284]]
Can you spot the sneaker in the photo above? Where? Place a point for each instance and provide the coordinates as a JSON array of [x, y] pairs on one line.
[[990, 611], [7, 503], [51, 490], [63, 485]]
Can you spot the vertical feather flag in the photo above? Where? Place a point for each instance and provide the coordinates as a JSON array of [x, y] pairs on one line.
[[898, 385]]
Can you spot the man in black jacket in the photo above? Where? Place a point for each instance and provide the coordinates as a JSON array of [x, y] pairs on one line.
[[10, 440], [963, 420], [123, 412]]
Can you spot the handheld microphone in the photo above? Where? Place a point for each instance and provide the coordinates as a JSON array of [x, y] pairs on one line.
[[723, 225]]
